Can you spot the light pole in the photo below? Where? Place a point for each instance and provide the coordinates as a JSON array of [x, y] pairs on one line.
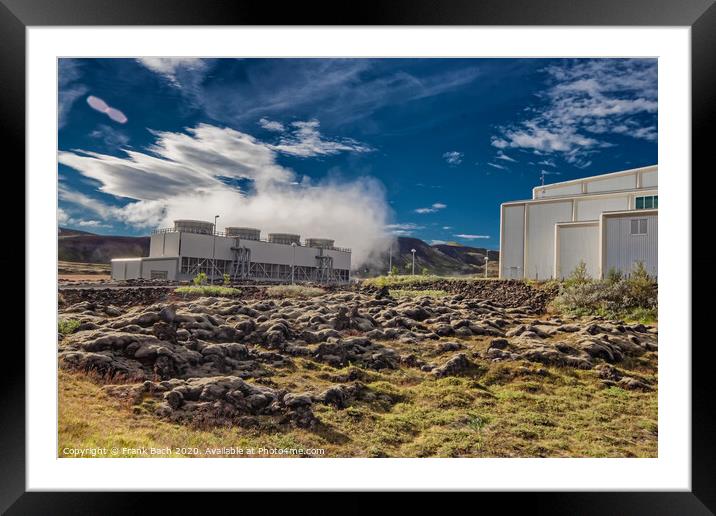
[[390, 259], [413, 251], [213, 252], [487, 259], [293, 260]]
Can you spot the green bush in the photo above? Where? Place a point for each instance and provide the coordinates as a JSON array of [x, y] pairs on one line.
[[227, 280], [200, 279], [633, 298], [67, 326]]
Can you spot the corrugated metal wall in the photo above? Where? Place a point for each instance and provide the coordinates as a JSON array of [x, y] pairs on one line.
[[623, 249], [591, 209], [577, 243], [612, 183], [541, 218], [512, 245]]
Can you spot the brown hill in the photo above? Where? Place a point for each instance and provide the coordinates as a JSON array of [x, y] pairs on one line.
[[81, 246]]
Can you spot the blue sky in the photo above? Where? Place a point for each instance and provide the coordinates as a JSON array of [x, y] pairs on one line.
[[355, 148]]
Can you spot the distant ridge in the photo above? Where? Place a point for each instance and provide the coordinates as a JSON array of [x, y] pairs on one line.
[[85, 247]]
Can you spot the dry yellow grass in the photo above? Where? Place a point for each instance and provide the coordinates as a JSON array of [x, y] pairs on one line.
[[507, 409]]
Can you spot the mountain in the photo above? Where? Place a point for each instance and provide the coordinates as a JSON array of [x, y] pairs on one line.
[[444, 259], [81, 246]]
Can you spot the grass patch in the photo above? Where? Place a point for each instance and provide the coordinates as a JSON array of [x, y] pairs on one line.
[[67, 326], [408, 293], [418, 279], [300, 291], [208, 290]]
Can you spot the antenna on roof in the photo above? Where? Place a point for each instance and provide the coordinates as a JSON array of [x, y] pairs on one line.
[[541, 177]]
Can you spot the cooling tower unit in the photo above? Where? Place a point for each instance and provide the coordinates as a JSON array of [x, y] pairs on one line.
[[194, 226], [284, 238], [244, 233], [321, 243]]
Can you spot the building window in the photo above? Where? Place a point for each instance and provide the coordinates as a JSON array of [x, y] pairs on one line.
[[647, 202], [638, 227]]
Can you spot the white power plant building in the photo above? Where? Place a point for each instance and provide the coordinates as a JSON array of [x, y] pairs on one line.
[[193, 246], [608, 221]]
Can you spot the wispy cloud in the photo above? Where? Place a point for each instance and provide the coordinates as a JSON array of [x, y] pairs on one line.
[[471, 237], [110, 136], [404, 229], [432, 209], [504, 157], [178, 71], [586, 102], [70, 88], [498, 166], [305, 140], [272, 125], [453, 158], [348, 89]]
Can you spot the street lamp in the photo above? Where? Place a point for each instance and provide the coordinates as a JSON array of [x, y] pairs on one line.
[[390, 258], [293, 260], [213, 252], [487, 259], [413, 251]]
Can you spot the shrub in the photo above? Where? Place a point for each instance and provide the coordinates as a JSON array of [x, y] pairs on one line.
[[614, 275], [634, 297], [200, 279], [227, 280], [67, 326], [425, 271], [393, 271], [579, 275]]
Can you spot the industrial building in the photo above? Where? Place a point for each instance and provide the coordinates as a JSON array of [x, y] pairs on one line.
[[193, 246], [608, 221]]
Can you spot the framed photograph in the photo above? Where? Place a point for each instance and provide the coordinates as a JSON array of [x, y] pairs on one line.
[[416, 249]]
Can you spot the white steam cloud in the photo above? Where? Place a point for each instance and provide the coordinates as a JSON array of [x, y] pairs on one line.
[[192, 175]]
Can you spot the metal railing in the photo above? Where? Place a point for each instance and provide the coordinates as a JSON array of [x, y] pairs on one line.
[[160, 231]]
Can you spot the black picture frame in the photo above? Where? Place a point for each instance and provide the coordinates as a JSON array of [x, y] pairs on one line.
[[700, 15]]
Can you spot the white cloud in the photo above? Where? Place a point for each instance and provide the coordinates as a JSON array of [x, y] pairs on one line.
[[432, 209], [65, 219], [182, 175], [437, 242], [471, 237], [587, 101], [305, 141], [497, 165], [447, 227], [174, 69], [504, 157], [453, 158], [62, 216], [272, 125]]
